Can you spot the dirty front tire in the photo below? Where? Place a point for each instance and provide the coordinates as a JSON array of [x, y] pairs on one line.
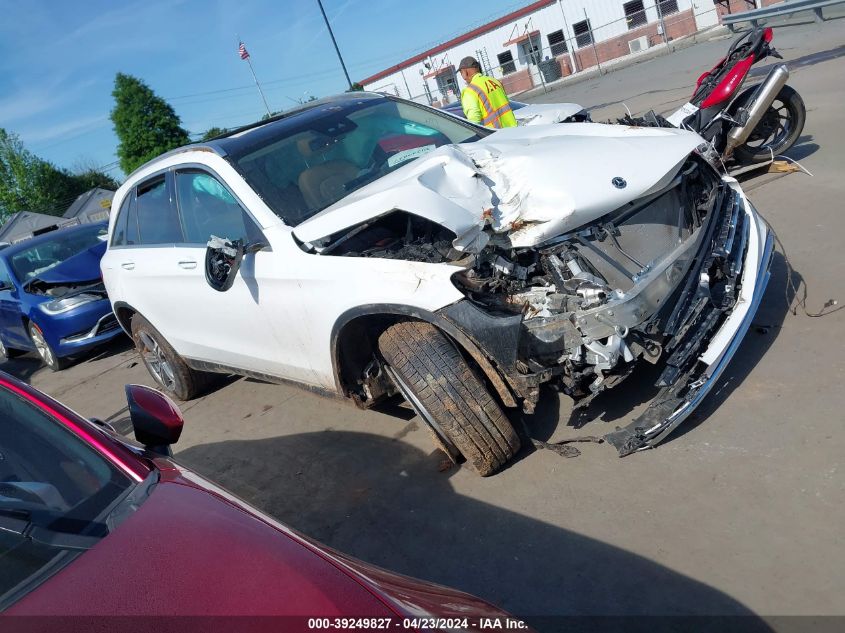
[[167, 368], [447, 394]]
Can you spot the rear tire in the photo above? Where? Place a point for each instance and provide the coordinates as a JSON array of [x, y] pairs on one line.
[[778, 130], [167, 368], [44, 350], [446, 393]]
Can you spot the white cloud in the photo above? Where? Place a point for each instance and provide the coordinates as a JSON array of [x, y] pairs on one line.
[[64, 131], [31, 101]]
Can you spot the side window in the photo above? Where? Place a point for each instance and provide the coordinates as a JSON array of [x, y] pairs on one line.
[[158, 222], [5, 278], [126, 224], [207, 208]]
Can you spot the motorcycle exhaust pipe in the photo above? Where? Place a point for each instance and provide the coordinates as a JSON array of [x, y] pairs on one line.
[[760, 101]]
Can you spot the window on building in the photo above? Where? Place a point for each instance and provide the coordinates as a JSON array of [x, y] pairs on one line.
[[634, 13], [447, 83], [531, 50], [583, 33], [668, 7], [557, 43], [506, 62]]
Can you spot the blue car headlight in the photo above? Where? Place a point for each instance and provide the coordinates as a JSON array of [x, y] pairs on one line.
[[66, 304]]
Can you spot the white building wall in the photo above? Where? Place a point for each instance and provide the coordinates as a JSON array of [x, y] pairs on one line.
[[607, 20]]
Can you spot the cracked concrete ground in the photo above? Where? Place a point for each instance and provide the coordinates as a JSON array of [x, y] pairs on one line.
[[741, 512]]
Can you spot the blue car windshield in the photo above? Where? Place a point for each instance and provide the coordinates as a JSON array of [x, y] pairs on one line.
[[324, 154], [42, 256]]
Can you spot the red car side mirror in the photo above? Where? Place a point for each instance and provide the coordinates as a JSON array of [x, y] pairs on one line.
[[156, 420]]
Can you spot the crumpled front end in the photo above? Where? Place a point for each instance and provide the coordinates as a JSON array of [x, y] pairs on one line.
[[673, 277], [709, 318]]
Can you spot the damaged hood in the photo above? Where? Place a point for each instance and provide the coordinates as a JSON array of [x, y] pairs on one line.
[[529, 183], [82, 267]]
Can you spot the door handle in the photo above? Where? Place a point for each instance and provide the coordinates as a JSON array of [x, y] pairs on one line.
[[188, 263], [128, 265]]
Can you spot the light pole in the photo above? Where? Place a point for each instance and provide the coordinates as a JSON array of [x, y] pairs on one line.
[[337, 50]]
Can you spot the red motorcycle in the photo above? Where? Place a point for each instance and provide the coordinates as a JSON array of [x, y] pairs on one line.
[[755, 124]]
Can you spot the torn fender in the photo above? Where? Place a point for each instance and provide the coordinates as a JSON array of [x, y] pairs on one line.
[[530, 183]]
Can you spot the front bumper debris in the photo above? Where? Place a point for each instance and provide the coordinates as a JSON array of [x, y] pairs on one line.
[[711, 314]]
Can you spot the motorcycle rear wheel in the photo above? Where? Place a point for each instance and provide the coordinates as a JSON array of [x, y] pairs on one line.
[[778, 130]]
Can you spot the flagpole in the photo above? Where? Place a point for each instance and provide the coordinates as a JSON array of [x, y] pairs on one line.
[[257, 85]]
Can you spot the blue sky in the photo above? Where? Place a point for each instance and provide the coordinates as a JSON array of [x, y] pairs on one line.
[[58, 59]]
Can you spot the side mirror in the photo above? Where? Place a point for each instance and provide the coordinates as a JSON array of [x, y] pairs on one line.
[[156, 420], [222, 261]]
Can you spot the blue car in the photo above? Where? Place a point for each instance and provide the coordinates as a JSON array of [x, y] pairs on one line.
[[52, 298]]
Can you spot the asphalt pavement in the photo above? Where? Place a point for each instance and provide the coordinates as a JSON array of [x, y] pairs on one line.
[[740, 512]]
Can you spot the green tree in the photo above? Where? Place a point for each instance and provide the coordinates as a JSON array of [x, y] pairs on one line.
[[29, 183], [145, 124], [91, 178], [213, 132]]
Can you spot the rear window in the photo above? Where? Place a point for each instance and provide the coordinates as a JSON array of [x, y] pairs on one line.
[[126, 224], [53, 481]]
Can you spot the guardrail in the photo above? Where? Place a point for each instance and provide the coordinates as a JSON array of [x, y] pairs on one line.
[[788, 7]]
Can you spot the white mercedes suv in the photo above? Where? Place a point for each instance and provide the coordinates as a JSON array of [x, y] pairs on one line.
[[367, 246]]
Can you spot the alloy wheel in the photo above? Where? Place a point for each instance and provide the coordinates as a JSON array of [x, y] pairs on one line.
[[156, 361], [41, 346]]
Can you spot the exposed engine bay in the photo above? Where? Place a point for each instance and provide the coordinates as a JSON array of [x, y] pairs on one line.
[[61, 290]]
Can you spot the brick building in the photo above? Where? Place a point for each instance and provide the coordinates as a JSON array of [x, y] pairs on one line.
[[547, 39]]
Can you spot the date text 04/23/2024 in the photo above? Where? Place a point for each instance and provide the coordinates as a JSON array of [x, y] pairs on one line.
[[419, 624]]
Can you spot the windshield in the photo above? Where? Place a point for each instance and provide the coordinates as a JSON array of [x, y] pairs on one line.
[[53, 488], [42, 256], [324, 154]]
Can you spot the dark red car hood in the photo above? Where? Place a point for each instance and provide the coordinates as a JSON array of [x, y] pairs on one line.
[[187, 552]]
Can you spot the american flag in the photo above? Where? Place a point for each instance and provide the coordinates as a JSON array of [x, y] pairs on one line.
[[242, 51]]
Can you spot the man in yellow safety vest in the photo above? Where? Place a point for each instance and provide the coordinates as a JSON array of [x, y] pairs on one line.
[[484, 99]]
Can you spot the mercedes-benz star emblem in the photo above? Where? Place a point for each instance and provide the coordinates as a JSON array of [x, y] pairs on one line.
[[619, 182]]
